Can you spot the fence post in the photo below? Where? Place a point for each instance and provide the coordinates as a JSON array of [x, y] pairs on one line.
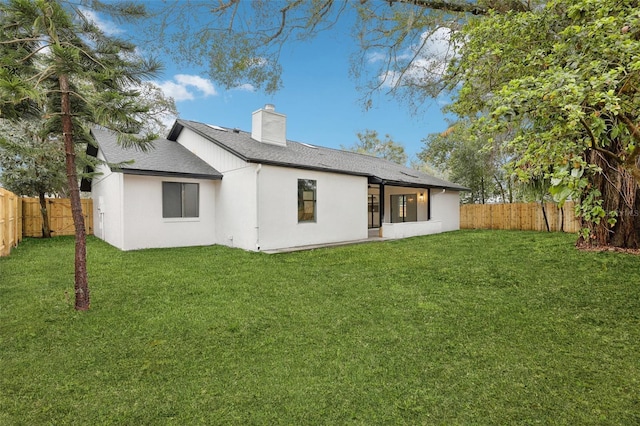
[[8, 221], [3, 230]]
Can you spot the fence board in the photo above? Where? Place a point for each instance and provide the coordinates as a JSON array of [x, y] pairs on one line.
[[5, 248], [60, 216], [519, 216], [10, 229]]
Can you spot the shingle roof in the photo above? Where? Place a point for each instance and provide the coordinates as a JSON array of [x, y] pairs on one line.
[[300, 155], [167, 158]]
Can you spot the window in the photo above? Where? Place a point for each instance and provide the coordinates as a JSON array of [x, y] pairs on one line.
[[180, 199], [404, 208], [306, 200]]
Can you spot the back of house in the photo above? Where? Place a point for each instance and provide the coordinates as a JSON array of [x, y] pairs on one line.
[[258, 191]]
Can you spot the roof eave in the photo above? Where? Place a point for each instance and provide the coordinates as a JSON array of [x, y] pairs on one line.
[[160, 173], [378, 180]]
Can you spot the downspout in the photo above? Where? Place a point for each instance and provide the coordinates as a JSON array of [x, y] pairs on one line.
[[258, 206], [103, 232]]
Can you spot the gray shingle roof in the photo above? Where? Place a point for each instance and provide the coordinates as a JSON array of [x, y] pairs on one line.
[[299, 155], [167, 158]]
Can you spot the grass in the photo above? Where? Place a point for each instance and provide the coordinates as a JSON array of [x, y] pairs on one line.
[[469, 327]]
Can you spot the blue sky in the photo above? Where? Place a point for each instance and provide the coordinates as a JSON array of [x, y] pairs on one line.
[[319, 98]]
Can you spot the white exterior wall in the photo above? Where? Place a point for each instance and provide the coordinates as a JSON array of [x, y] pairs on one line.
[[127, 212], [106, 191], [236, 208], [342, 202], [217, 157], [235, 200], [341, 208], [411, 229], [144, 226], [445, 207]]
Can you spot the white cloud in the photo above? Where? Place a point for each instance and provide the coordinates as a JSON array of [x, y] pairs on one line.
[[245, 87], [376, 57], [389, 79], [176, 91], [201, 84], [437, 43], [185, 87], [430, 59]]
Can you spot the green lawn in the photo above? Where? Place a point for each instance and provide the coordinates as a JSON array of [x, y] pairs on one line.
[[469, 327]]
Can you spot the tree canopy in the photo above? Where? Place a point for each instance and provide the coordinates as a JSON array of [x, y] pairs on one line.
[[58, 66], [369, 143], [563, 79], [404, 44], [464, 157], [30, 164]]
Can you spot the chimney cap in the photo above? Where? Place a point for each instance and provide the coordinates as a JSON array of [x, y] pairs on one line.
[[270, 107]]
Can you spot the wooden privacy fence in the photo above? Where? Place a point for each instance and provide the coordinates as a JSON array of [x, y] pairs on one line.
[[21, 217], [10, 221], [60, 217], [519, 216]]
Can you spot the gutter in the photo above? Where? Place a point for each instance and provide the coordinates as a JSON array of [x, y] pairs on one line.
[[144, 172]]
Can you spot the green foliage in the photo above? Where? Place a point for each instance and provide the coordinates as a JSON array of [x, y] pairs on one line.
[[371, 144], [45, 40], [563, 77], [465, 158], [31, 163], [470, 327]]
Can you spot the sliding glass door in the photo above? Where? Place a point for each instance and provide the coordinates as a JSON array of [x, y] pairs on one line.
[[404, 208]]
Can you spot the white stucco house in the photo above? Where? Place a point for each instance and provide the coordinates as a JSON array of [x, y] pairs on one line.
[[258, 191]]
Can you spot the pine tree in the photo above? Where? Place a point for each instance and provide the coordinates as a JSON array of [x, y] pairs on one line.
[[57, 64]]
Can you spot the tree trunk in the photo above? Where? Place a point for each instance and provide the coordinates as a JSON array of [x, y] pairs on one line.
[[46, 229], [501, 188], [544, 215], [620, 193], [81, 281]]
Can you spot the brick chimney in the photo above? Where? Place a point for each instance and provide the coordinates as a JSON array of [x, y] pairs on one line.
[[268, 126]]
